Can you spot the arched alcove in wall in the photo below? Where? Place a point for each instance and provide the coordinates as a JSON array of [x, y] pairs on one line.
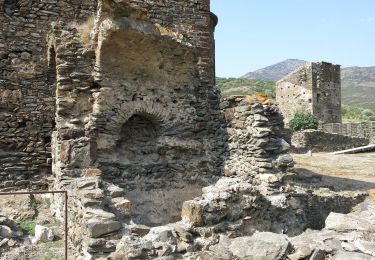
[[138, 141]]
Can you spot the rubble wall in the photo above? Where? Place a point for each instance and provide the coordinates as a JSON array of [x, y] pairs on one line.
[[319, 141], [254, 144], [27, 88], [137, 115]]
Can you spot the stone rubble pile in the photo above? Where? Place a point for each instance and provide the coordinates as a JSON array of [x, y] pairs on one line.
[[234, 219], [10, 233]]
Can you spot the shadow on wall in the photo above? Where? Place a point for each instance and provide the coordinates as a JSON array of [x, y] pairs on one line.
[[164, 138]]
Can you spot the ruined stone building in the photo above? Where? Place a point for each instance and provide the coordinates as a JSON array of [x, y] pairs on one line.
[[313, 88], [114, 101]]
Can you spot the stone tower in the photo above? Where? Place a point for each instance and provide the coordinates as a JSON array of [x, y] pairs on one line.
[[313, 88]]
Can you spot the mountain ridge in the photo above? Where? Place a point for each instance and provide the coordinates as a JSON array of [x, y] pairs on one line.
[[275, 71]]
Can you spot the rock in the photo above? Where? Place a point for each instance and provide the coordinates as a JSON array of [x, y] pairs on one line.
[[284, 146], [348, 247], [262, 245], [99, 227], [12, 243], [346, 222], [42, 234], [160, 234], [4, 241], [367, 247], [115, 191], [122, 206], [192, 212], [318, 254], [305, 243], [343, 255], [284, 161], [6, 231], [140, 230], [182, 233]]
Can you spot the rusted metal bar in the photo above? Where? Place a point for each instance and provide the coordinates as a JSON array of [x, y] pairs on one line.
[[49, 192], [66, 225]]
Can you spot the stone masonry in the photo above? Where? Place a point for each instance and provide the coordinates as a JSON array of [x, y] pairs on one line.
[[313, 88], [28, 87], [115, 102]]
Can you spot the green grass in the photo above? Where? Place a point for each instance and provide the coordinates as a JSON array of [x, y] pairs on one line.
[[28, 227], [51, 250]]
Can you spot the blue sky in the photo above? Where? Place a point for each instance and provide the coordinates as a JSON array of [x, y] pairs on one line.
[[252, 34]]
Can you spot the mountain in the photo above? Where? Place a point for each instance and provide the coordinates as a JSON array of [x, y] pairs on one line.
[[276, 71], [358, 86]]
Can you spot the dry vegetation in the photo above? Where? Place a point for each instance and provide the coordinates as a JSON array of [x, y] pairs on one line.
[[348, 171]]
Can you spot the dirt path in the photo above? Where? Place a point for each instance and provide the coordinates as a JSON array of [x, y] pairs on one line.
[[346, 171]]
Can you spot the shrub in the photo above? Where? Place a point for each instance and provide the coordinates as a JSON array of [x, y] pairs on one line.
[[304, 121], [28, 227]]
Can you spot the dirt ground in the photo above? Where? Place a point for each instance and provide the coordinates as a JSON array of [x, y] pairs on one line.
[[346, 171], [27, 211]]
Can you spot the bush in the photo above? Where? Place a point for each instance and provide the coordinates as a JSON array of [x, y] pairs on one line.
[[28, 227], [304, 121]]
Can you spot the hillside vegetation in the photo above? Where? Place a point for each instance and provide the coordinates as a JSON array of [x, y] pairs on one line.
[[351, 111], [242, 86], [358, 87], [357, 114]]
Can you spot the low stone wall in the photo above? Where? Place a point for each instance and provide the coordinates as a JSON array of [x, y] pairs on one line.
[[319, 141], [360, 129]]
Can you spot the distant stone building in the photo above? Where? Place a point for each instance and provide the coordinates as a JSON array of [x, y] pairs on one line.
[[313, 88]]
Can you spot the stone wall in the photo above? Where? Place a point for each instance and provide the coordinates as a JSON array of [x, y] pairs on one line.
[[27, 88], [136, 113], [319, 141], [254, 137], [28, 57], [355, 129], [313, 88]]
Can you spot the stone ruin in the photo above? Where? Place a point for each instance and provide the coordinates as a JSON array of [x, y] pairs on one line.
[[114, 101], [313, 88]]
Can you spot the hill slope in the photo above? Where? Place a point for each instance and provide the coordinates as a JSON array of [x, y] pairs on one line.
[[358, 83], [358, 86], [275, 71]]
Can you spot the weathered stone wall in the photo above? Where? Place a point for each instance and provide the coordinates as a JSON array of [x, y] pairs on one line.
[[28, 69], [326, 92], [294, 93], [254, 141], [313, 88], [137, 112], [355, 129], [27, 88], [319, 141]]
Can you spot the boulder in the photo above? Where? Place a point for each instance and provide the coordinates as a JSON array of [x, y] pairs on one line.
[[262, 245], [42, 234], [6, 231], [343, 255], [346, 222], [367, 247], [99, 227]]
